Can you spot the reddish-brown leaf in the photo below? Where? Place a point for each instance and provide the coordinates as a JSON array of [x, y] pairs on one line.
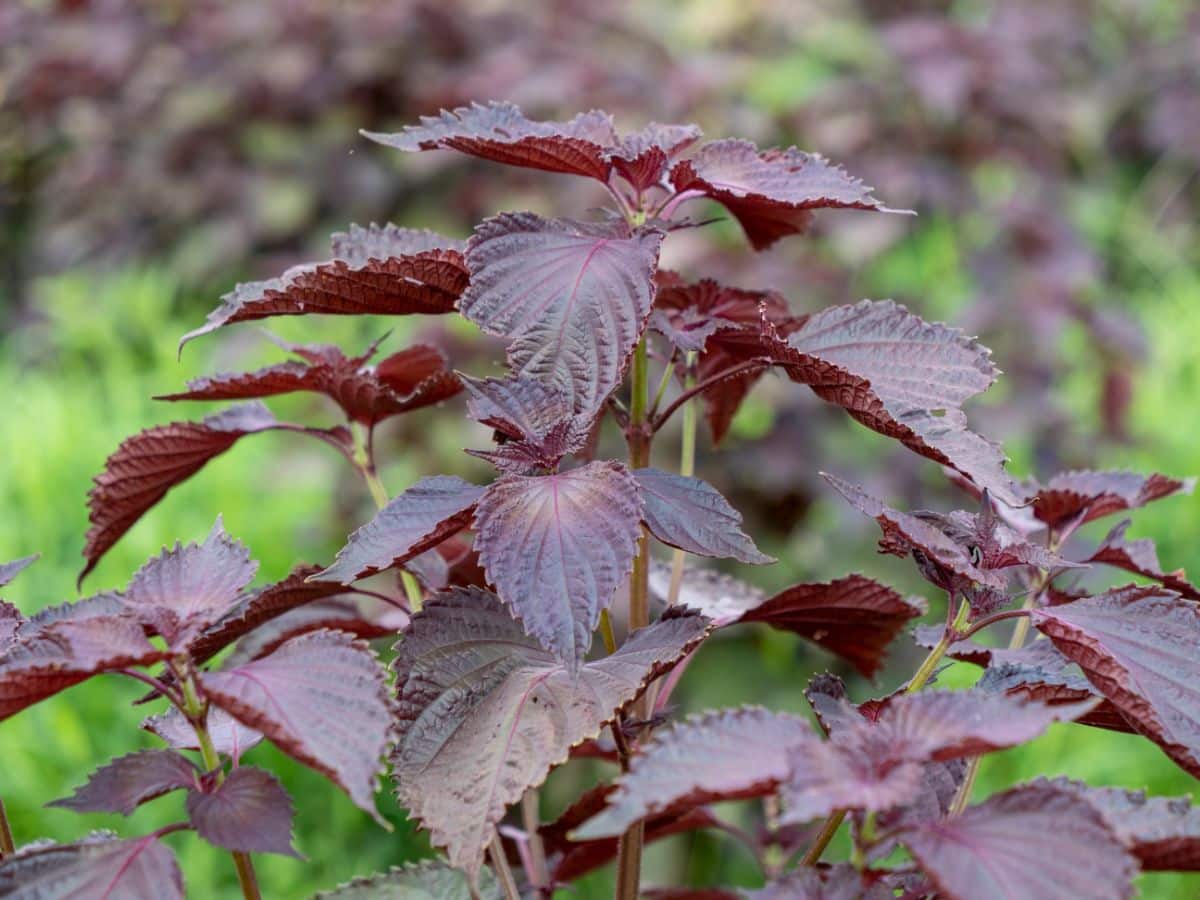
[[1140, 557], [533, 421], [839, 882], [322, 700], [485, 712], [96, 868], [1033, 842], [141, 471], [363, 617], [641, 158], [131, 780], [771, 193], [375, 271], [1137, 646], [1083, 496], [422, 517], [249, 812]]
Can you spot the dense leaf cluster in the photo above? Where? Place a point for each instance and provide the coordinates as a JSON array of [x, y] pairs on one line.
[[496, 592]]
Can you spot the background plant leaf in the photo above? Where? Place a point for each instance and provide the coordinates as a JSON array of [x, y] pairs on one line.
[[100, 866]]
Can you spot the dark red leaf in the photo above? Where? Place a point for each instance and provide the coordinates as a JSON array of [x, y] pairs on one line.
[[408, 380], [249, 812], [1162, 832], [771, 193], [97, 868], [558, 546], [534, 419], [129, 781], [1141, 558], [722, 755], [182, 591], [840, 882], [1030, 843], [571, 298], [10, 570], [1137, 646], [485, 712], [363, 617], [902, 377], [942, 560], [427, 880], [375, 271], [854, 617], [1083, 496], [141, 471], [321, 699], [687, 314], [66, 653], [689, 514], [500, 132], [422, 517], [641, 158], [229, 736]]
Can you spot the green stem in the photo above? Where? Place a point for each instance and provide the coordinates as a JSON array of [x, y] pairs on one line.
[[7, 846], [829, 829], [196, 711], [606, 632]]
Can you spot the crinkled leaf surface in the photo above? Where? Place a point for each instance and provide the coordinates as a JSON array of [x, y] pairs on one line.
[[96, 867], [904, 378], [558, 546], [249, 811], [723, 755], [534, 420], [229, 736], [375, 271], [720, 597], [1140, 557], [428, 880], [689, 313], [65, 653], [500, 132], [839, 882], [144, 467], [571, 298], [10, 570], [771, 193], [485, 712], [1087, 495], [182, 591], [1030, 843], [691, 515], [321, 699], [1137, 646], [131, 780], [1162, 832], [412, 522]]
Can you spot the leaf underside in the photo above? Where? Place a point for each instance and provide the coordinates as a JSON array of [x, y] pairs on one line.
[[95, 867]]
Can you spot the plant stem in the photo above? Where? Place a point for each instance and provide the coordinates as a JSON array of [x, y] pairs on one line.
[[539, 874], [629, 848], [732, 372], [829, 829], [503, 872], [606, 632], [7, 846], [197, 712]]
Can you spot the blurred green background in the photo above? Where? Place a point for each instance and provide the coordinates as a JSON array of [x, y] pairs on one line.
[[153, 154]]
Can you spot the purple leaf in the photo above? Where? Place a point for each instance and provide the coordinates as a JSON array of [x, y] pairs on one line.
[[558, 546], [141, 471], [840, 882], [229, 736], [500, 132], [10, 570], [182, 591], [1141, 558], [533, 418], [902, 377], [689, 514], [420, 518], [405, 381], [688, 314], [103, 605], [321, 699], [249, 812], [771, 193], [1162, 832], [101, 867], [1137, 646], [486, 713], [641, 158], [1083, 496], [129, 781], [427, 880], [724, 755], [67, 653], [375, 271], [1030, 843], [571, 298], [11, 621]]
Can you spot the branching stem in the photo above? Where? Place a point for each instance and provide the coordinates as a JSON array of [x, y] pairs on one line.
[[732, 372], [7, 846]]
